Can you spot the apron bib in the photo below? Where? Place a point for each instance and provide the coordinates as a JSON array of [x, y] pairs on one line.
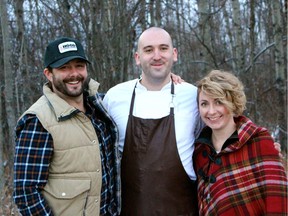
[[154, 181]]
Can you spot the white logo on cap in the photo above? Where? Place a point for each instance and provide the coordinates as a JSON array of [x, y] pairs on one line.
[[67, 46]]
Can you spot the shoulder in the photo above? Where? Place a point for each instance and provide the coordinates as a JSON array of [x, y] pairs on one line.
[[120, 90], [125, 86], [263, 142], [93, 86], [247, 129], [26, 119], [186, 91], [40, 104], [29, 122], [186, 85], [258, 138], [186, 88]]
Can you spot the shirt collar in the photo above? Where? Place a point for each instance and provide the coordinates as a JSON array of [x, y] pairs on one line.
[[206, 138], [142, 87]]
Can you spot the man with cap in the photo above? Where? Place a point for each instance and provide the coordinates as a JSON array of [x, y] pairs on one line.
[[66, 162]]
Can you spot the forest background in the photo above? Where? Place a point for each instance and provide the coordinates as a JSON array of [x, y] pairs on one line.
[[248, 37]]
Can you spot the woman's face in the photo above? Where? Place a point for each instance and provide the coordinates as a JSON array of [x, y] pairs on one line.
[[214, 113]]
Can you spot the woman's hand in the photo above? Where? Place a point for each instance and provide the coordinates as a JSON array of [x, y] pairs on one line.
[[176, 79]]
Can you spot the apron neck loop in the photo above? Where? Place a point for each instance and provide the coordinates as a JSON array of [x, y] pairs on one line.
[[171, 104]]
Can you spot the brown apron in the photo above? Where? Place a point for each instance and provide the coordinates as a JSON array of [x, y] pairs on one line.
[[154, 181]]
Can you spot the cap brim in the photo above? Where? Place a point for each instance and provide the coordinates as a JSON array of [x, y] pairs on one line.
[[63, 61]]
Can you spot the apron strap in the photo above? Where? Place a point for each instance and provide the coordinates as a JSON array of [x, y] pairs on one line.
[[172, 100], [132, 101]]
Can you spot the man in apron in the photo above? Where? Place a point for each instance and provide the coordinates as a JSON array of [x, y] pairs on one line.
[[157, 122]]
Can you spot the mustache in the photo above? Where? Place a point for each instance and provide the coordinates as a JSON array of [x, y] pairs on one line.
[[74, 78], [157, 62]]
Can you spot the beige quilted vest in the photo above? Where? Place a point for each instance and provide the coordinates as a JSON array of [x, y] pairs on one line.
[[74, 183]]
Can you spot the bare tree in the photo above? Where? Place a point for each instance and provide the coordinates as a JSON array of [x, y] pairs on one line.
[[237, 46], [247, 76], [280, 76], [9, 106], [21, 47], [2, 116], [204, 37]]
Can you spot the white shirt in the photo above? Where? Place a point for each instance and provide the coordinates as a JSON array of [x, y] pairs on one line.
[[156, 104]]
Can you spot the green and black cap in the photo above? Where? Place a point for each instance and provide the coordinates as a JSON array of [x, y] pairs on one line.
[[63, 50]]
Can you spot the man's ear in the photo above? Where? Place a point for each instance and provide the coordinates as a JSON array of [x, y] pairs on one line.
[[175, 55], [137, 58], [48, 74]]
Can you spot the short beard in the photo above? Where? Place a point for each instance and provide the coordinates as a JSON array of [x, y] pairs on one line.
[[60, 86]]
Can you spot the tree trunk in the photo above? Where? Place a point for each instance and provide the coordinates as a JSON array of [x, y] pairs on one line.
[[20, 66], [2, 5], [204, 28], [281, 82], [252, 49], [238, 47], [8, 110]]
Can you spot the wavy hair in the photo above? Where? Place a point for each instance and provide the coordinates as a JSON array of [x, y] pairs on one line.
[[225, 87]]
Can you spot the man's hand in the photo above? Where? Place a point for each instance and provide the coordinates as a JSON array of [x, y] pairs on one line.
[[277, 146]]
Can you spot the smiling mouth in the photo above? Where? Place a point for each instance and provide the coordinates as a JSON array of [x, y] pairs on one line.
[[157, 65], [214, 118], [73, 82]]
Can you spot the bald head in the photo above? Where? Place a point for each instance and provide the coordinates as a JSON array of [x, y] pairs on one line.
[[152, 35], [155, 55]]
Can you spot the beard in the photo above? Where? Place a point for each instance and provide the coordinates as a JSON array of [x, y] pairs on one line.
[[60, 85]]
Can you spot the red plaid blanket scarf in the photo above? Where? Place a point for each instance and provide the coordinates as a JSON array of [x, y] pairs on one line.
[[246, 178]]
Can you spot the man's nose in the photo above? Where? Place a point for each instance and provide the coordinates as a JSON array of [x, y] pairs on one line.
[[157, 54]]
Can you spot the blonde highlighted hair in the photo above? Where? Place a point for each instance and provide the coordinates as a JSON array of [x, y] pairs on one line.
[[225, 87]]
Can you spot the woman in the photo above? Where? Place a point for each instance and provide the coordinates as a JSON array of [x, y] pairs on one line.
[[239, 171]]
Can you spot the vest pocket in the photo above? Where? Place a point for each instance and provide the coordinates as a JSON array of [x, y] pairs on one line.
[[67, 196]]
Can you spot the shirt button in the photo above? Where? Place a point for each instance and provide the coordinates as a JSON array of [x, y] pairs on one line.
[[63, 194], [96, 200], [204, 153], [94, 141], [98, 170]]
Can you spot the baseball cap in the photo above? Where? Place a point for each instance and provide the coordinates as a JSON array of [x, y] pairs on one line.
[[63, 50]]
